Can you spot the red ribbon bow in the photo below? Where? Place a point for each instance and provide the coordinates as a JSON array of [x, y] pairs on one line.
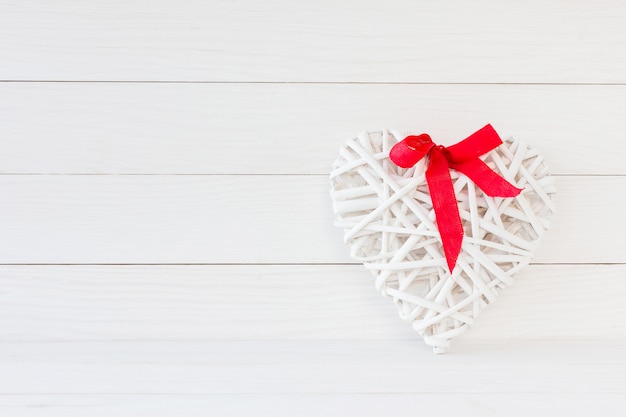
[[464, 157]]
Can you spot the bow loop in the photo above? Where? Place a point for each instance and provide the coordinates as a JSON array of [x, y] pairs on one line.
[[478, 143], [464, 157], [411, 150]]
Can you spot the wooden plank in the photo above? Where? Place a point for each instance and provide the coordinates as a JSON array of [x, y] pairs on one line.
[[289, 128], [279, 40], [242, 219], [314, 405], [194, 302], [295, 302], [322, 367]]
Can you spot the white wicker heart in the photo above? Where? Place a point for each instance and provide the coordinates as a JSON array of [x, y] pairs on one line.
[[389, 224]]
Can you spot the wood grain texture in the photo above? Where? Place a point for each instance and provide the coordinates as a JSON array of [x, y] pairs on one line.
[[235, 112], [313, 405], [242, 219], [279, 302], [289, 128], [299, 367], [279, 40]]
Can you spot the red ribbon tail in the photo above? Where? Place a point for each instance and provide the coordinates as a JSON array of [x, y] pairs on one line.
[[445, 206], [486, 179]]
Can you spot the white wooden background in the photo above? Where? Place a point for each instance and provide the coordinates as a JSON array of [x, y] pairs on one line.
[[168, 247]]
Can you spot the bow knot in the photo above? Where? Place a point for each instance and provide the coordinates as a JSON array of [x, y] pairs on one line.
[[442, 149], [463, 157]]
